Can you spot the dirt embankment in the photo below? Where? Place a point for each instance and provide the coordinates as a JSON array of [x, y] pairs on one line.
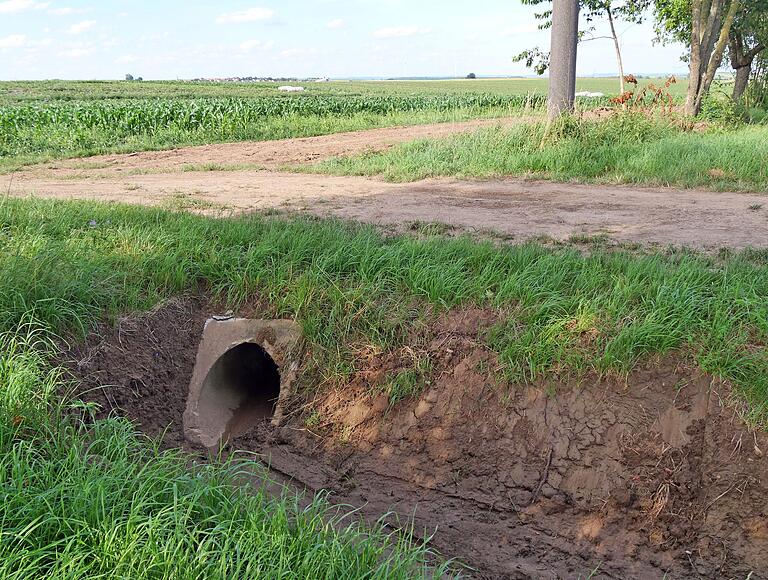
[[645, 478]]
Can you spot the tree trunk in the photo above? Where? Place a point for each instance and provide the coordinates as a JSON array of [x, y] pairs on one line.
[[712, 16], [742, 80], [742, 61], [609, 12], [562, 67], [694, 66], [717, 55], [707, 55]]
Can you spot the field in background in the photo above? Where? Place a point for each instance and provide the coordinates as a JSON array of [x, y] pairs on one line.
[[15, 92], [606, 85], [51, 120], [47, 120]]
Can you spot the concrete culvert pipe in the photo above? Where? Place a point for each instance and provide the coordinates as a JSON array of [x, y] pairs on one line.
[[241, 388], [242, 373]]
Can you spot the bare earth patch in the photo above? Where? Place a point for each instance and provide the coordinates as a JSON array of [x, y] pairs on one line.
[[515, 208], [656, 476]]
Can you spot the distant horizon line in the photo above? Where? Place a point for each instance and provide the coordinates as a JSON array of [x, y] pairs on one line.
[[502, 77], [366, 78]]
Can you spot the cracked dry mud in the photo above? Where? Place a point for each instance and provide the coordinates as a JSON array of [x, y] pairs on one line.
[[642, 478]]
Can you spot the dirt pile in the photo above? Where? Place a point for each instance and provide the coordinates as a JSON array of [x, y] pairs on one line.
[[656, 475]]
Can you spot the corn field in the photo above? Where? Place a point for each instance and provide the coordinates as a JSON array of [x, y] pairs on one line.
[[148, 116], [33, 131]]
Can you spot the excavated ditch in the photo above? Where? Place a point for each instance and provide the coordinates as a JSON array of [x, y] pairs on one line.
[[645, 478]]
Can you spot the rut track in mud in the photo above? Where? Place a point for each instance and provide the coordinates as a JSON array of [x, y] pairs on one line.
[[645, 478], [514, 208]]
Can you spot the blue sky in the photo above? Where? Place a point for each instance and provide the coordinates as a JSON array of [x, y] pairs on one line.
[[90, 39]]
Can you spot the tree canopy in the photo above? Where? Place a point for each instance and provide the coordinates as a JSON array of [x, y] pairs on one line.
[[715, 32]]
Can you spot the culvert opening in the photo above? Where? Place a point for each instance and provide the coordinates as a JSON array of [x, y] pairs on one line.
[[240, 390]]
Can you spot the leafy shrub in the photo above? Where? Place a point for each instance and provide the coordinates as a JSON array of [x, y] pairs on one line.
[[719, 108]]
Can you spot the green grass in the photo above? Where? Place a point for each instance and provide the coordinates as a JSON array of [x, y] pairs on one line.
[[351, 288], [42, 131], [408, 383], [624, 149]]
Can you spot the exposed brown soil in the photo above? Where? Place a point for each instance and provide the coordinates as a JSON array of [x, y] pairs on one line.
[[656, 475], [515, 208]]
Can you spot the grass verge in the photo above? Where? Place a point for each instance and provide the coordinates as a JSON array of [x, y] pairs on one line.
[[66, 263], [626, 148], [85, 499]]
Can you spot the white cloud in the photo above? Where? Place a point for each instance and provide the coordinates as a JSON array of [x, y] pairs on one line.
[[254, 14], [22, 41], [12, 6], [81, 27], [337, 23], [13, 41], [66, 11], [250, 45], [401, 31], [126, 59]]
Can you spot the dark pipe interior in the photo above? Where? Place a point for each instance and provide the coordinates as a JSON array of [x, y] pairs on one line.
[[248, 380]]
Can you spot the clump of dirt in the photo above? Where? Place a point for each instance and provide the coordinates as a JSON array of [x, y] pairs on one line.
[[655, 475]]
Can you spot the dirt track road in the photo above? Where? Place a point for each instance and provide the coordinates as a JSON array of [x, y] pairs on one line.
[[516, 208]]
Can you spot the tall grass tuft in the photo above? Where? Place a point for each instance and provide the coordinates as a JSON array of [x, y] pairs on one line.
[[626, 148]]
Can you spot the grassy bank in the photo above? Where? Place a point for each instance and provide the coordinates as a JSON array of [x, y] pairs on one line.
[[83, 499], [625, 149], [67, 263]]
